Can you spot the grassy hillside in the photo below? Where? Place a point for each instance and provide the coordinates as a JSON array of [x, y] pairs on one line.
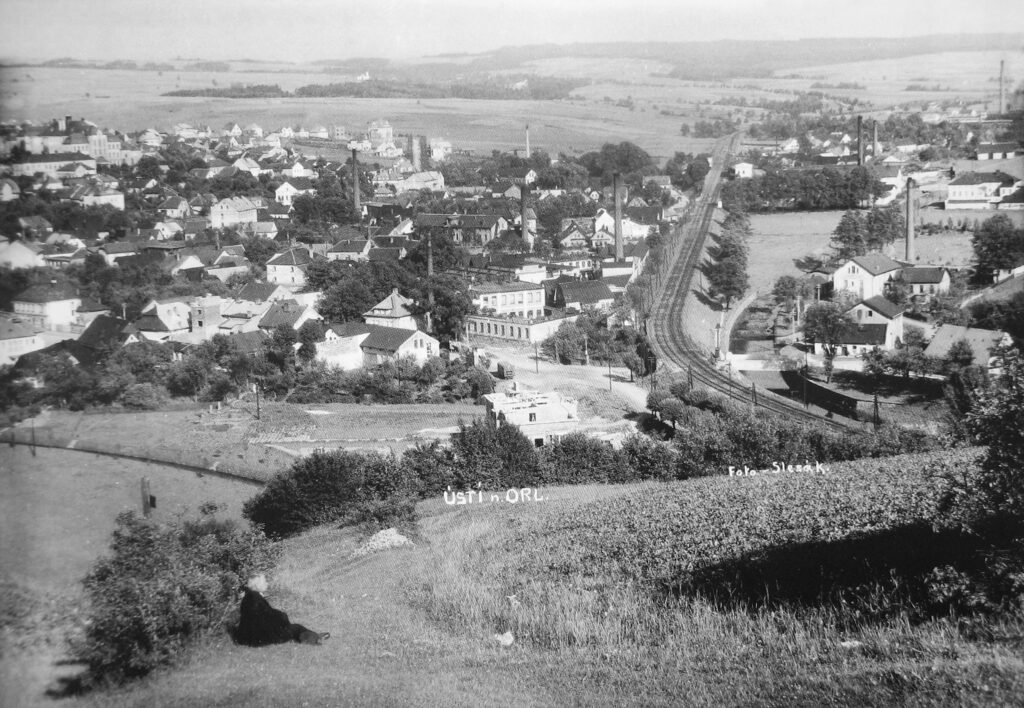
[[580, 580]]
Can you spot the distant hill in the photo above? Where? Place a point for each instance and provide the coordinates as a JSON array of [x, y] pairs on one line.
[[724, 59]]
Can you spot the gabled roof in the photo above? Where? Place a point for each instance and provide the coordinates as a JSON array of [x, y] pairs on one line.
[[302, 184], [385, 254], [387, 339], [923, 275], [351, 329], [487, 288], [282, 312], [586, 292], [997, 177], [876, 263], [478, 221], [291, 257], [249, 342], [15, 328], [257, 292], [883, 306], [1015, 197], [46, 293], [394, 305], [350, 246], [981, 341], [102, 331]]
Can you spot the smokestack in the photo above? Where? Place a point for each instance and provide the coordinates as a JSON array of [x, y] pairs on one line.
[[1002, 95], [525, 193], [355, 186], [417, 160], [619, 253], [910, 256], [528, 153], [860, 140], [874, 147]]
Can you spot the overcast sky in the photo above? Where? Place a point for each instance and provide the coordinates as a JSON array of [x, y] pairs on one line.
[[301, 30]]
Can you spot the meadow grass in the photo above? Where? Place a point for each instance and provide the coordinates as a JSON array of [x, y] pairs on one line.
[[415, 626]]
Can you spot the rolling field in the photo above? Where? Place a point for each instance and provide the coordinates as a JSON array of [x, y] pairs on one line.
[[130, 101]]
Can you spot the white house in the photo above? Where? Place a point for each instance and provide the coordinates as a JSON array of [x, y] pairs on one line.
[[291, 188], [232, 212], [19, 254], [289, 268], [48, 307], [356, 344], [509, 299], [979, 190], [926, 281], [392, 311], [17, 337], [865, 276], [878, 310]]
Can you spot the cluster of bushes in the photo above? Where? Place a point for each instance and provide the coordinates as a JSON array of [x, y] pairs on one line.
[[380, 490], [719, 433], [437, 380], [163, 586]]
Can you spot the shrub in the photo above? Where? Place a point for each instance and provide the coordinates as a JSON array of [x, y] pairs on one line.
[[578, 459], [327, 486], [646, 458], [997, 420], [163, 587], [493, 456], [144, 396]]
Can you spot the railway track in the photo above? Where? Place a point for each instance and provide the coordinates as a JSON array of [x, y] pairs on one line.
[[674, 345]]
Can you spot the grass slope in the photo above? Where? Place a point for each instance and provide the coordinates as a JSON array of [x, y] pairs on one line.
[[572, 578]]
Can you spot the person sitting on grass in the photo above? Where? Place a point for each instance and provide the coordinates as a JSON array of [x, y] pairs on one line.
[[259, 624]]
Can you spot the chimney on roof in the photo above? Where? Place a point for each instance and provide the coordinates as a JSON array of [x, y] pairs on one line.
[[619, 255], [860, 140], [355, 185], [910, 222]]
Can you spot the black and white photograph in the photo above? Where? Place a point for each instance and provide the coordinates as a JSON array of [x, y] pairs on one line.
[[448, 353]]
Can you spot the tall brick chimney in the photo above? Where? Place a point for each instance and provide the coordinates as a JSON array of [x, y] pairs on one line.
[[910, 255], [1002, 94], [417, 160], [875, 147], [619, 253], [860, 140], [355, 185]]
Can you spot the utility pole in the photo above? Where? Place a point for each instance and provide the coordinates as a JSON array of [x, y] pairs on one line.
[[257, 399], [536, 358], [430, 282]]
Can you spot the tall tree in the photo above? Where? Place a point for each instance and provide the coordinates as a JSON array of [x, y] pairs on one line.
[[826, 324], [850, 236]]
